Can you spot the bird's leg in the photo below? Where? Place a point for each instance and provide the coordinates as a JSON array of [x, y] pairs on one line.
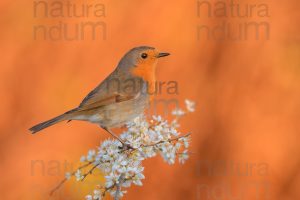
[[114, 135], [127, 146]]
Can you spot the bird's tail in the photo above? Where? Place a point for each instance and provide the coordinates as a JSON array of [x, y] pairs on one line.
[[50, 122]]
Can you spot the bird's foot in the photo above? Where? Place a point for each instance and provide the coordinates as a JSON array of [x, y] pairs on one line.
[[125, 146]]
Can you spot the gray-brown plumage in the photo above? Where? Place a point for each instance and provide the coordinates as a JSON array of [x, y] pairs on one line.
[[121, 97]]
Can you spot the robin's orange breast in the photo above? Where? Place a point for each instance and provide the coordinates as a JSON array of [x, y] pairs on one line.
[[147, 73]]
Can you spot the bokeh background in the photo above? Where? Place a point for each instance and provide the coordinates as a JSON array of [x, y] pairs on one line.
[[245, 140]]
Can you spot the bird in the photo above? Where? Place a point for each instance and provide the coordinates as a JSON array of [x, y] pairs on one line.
[[120, 97]]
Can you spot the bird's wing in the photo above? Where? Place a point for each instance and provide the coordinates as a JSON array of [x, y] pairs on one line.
[[104, 95], [99, 101]]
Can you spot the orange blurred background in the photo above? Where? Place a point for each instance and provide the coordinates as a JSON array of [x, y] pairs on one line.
[[245, 130]]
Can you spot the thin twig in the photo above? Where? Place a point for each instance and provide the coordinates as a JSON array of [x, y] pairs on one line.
[[170, 140], [90, 171], [106, 189], [65, 179]]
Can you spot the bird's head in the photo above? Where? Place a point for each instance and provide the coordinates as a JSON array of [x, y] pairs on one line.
[[141, 61]]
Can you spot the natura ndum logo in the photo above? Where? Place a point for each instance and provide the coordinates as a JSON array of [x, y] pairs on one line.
[[232, 20], [69, 20]]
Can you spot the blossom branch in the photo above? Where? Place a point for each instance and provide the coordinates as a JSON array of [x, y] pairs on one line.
[[89, 172], [122, 166], [170, 140], [67, 178]]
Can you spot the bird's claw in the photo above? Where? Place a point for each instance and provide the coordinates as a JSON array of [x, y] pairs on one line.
[[126, 146]]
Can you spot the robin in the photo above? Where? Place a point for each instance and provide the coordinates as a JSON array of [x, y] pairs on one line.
[[121, 97]]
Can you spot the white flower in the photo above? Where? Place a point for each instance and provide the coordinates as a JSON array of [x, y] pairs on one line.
[[174, 132], [177, 145], [178, 112], [168, 152], [88, 197], [190, 105], [157, 118], [138, 182], [91, 155], [82, 159], [185, 141], [137, 179], [183, 157], [78, 175], [175, 124], [68, 175], [113, 193], [97, 195], [111, 179], [147, 152], [126, 183]]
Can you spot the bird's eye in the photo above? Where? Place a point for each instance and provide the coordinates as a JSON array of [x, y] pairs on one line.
[[144, 55]]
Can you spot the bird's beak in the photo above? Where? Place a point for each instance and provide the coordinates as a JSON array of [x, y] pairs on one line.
[[162, 55]]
